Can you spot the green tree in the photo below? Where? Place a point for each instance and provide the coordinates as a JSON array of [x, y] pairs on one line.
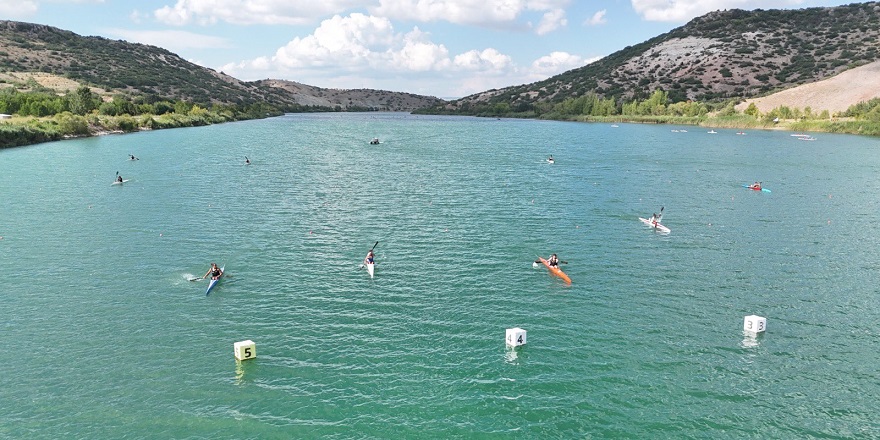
[[752, 110], [71, 124], [82, 101]]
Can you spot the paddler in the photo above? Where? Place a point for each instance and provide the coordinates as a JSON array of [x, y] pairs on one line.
[[553, 261], [214, 272], [369, 258], [655, 219], [119, 178]]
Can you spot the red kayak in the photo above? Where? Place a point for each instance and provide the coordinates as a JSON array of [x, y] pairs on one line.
[[556, 271]]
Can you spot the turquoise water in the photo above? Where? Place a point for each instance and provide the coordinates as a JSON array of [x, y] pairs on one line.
[[105, 337]]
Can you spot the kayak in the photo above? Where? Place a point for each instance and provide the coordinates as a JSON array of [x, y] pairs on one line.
[[756, 189], [371, 268], [119, 183], [214, 281], [556, 271], [657, 226], [551, 161]]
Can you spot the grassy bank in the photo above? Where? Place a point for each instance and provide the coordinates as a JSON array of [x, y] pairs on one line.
[[20, 130], [746, 122]]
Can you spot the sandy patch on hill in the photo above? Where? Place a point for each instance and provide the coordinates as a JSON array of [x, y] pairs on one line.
[[834, 94]]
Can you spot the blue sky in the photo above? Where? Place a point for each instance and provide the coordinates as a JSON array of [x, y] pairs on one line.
[[443, 48]]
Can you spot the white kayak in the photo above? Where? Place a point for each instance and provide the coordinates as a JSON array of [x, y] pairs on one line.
[[656, 226], [118, 182], [371, 268]]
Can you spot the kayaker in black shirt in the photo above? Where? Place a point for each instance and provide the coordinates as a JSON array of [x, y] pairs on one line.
[[214, 271]]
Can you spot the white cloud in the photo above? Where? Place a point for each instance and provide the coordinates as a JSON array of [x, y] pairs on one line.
[[474, 12], [419, 54], [597, 18], [487, 60], [556, 62], [248, 12], [354, 41], [174, 41], [17, 9], [683, 10], [360, 43], [551, 21], [364, 51]]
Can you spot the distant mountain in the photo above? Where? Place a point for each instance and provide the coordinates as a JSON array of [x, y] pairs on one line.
[[350, 98], [40, 52], [721, 55]]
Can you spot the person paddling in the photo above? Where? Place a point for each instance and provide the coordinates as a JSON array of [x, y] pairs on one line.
[[131, 157], [247, 161], [553, 261], [369, 258], [119, 178], [655, 219], [214, 272]]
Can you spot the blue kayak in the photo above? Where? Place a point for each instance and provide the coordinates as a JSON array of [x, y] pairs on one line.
[[215, 281]]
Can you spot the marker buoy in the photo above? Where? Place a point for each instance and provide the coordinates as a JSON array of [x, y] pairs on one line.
[[515, 337]]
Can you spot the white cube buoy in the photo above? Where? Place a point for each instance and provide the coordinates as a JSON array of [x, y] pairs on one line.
[[245, 350], [516, 337], [754, 324]]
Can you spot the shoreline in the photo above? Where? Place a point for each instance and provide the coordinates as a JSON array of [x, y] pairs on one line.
[[25, 131], [33, 131]]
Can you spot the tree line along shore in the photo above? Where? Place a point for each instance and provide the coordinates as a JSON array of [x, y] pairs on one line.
[[862, 118], [43, 116]]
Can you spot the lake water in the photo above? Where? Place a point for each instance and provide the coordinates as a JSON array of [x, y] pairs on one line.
[[104, 336]]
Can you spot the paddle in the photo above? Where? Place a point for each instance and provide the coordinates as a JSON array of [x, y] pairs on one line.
[[561, 261], [374, 247]]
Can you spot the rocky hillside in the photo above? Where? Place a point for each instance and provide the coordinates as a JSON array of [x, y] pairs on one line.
[[721, 55], [306, 95], [49, 56]]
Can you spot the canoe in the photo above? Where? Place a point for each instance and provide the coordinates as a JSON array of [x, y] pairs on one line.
[[756, 189], [215, 281], [556, 271], [657, 226], [371, 268]]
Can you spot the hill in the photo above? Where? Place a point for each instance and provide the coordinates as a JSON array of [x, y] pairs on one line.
[[350, 99], [835, 94], [62, 60], [722, 55]]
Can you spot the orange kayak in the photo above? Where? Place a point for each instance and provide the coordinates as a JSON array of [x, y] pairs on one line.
[[556, 271]]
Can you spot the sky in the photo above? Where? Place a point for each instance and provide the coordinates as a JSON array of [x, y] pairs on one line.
[[442, 48]]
